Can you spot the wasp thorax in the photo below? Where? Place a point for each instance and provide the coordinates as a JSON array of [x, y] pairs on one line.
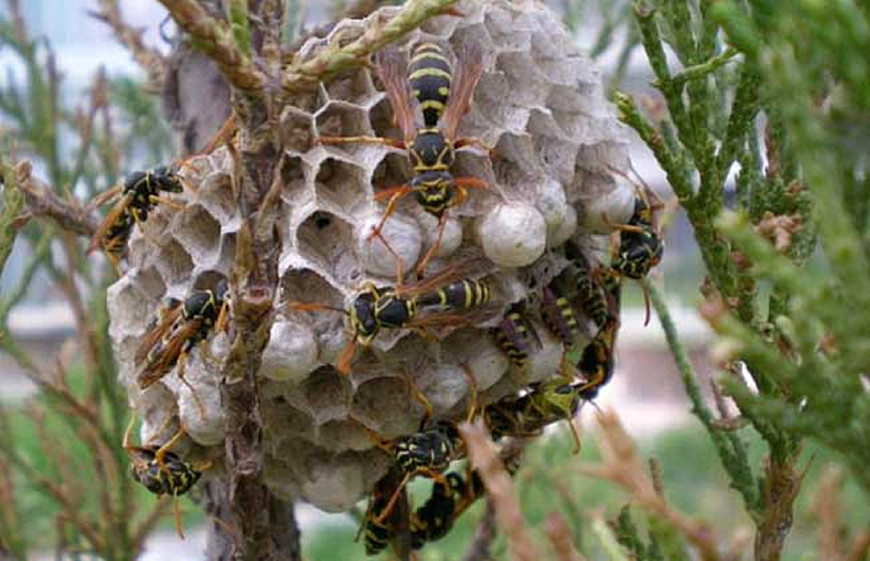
[[431, 150]]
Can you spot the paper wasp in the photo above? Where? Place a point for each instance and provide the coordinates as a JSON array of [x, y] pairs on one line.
[[516, 336], [386, 307], [162, 471], [431, 147], [545, 403], [182, 326], [431, 449], [640, 245], [139, 195]]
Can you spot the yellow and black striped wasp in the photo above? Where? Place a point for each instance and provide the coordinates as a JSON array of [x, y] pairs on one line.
[[162, 471], [139, 195], [431, 449], [640, 246], [543, 404], [386, 307], [597, 360], [183, 326], [516, 336], [431, 147]]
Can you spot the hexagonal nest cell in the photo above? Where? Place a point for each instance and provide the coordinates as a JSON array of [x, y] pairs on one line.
[[539, 103]]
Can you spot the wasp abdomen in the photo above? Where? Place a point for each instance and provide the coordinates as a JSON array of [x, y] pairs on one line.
[[460, 295], [429, 75]]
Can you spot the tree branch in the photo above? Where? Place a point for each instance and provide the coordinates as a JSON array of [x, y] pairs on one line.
[[216, 39], [305, 74], [43, 201], [499, 489]]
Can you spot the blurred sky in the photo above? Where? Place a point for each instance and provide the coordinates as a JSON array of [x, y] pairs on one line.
[[81, 42]]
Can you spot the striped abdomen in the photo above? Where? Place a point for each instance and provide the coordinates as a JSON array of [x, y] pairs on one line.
[[559, 316], [429, 77], [515, 336], [459, 295]]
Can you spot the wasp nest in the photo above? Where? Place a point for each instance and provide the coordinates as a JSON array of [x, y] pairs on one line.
[[539, 104]]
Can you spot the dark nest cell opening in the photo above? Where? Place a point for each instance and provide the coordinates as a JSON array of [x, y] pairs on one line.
[[197, 230], [341, 183]]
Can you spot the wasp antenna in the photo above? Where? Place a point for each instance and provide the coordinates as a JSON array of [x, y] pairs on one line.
[[298, 306]]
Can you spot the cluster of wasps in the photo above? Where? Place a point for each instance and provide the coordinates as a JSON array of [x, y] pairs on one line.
[[586, 291]]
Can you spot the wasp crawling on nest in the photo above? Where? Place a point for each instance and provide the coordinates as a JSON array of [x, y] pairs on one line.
[[431, 147], [137, 197]]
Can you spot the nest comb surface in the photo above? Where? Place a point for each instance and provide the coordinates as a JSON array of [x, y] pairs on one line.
[[539, 103]]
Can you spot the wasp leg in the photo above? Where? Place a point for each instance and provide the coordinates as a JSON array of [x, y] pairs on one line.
[[223, 318], [129, 431], [472, 384], [451, 11], [376, 439], [182, 366], [472, 141], [395, 194], [421, 267], [176, 516], [400, 144], [160, 454], [392, 502], [168, 203], [205, 354], [576, 436], [420, 397], [343, 364]]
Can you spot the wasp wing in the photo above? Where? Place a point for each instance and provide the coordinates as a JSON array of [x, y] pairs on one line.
[[392, 70], [454, 318], [114, 215], [469, 67], [103, 198], [168, 354], [441, 278], [156, 334]]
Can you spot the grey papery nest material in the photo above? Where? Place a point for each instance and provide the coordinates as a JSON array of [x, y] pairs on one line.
[[539, 103]]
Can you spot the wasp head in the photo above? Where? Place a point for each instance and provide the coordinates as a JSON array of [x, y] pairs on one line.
[[363, 319], [167, 180], [434, 191]]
